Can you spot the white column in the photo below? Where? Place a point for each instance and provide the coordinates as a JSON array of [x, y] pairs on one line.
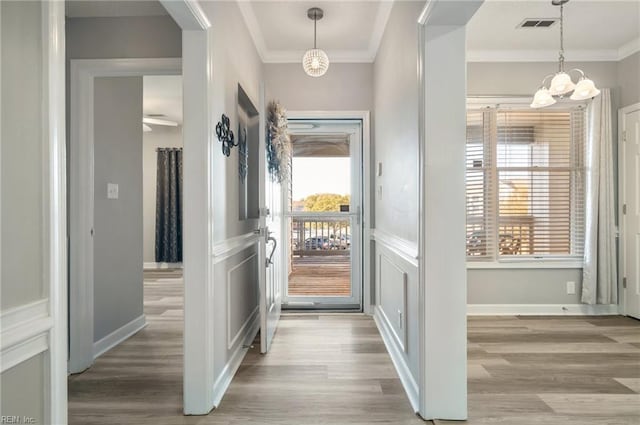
[[198, 226], [443, 389]]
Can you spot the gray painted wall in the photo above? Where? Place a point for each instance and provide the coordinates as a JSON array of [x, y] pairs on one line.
[[395, 88], [160, 137], [123, 37], [23, 262], [345, 86], [23, 389], [528, 286], [117, 222], [22, 152], [629, 80]]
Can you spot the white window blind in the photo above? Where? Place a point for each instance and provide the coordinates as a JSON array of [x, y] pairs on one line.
[[525, 183]]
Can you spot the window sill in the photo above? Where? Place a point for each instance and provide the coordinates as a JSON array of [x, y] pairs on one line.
[[527, 264]]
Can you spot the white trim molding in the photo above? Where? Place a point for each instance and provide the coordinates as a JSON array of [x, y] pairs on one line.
[[528, 265], [116, 337], [232, 246], [405, 249], [81, 205], [25, 333], [542, 310], [397, 357], [224, 379], [158, 266], [601, 55]]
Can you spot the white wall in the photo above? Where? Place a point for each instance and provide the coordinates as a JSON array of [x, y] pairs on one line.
[[395, 128], [117, 262], [235, 60], [160, 137]]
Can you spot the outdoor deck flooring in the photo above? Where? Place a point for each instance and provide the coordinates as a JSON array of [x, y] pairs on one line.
[[321, 276]]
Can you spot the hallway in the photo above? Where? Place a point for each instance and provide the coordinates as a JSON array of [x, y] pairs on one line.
[[322, 369], [333, 369]]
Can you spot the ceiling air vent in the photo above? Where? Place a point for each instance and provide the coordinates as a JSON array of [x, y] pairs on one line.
[[537, 23]]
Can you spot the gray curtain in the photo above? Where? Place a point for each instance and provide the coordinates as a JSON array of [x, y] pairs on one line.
[[169, 206]]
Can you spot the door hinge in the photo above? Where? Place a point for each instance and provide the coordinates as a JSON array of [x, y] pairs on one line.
[[624, 136], [624, 282], [624, 209]]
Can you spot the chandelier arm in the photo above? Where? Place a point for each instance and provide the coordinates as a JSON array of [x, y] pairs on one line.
[[581, 72], [542, 85]]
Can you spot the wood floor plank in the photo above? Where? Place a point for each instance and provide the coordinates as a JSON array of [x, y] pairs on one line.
[[333, 370]]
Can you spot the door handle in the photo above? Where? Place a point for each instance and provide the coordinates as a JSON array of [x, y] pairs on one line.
[[273, 251]]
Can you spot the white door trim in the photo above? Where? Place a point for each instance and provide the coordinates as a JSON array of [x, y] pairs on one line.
[[622, 112], [81, 180], [53, 16], [367, 204], [196, 63]]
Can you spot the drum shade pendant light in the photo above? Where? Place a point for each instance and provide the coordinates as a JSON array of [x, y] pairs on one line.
[[561, 83], [315, 61]]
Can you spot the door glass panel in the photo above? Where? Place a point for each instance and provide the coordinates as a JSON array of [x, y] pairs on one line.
[[320, 219]]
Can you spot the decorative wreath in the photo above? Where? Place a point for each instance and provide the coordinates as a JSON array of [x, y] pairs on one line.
[[278, 142]]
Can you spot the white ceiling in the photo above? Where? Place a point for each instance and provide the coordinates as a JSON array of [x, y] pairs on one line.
[[113, 8], [594, 30], [162, 94], [350, 31]]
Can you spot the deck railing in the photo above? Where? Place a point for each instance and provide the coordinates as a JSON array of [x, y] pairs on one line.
[[321, 234]]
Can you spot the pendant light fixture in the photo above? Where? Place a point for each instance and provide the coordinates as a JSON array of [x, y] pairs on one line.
[[561, 83], [315, 61]]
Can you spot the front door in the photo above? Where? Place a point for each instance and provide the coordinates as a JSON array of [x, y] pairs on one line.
[[630, 180], [323, 208]]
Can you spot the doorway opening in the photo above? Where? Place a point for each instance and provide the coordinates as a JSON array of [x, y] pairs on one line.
[[323, 213]]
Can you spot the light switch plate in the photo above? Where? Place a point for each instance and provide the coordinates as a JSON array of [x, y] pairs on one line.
[[571, 288], [112, 191]]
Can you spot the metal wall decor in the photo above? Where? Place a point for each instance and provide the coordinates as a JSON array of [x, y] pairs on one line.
[[225, 135], [243, 154]]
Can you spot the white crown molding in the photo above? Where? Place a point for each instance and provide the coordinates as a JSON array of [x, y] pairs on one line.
[[541, 56], [602, 55], [251, 21], [267, 55], [629, 48], [380, 24]]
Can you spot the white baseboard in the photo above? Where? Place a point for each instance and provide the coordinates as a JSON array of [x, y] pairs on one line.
[[152, 266], [397, 357], [116, 337], [542, 310], [230, 369]]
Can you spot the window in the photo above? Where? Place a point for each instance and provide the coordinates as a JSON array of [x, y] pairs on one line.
[[525, 183]]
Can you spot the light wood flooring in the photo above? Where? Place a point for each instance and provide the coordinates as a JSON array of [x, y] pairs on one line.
[[333, 369], [321, 276]]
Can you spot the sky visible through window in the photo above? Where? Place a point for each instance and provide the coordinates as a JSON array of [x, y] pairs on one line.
[[313, 175]]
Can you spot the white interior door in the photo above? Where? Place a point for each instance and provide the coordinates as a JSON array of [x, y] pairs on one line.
[[271, 259], [630, 188]]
